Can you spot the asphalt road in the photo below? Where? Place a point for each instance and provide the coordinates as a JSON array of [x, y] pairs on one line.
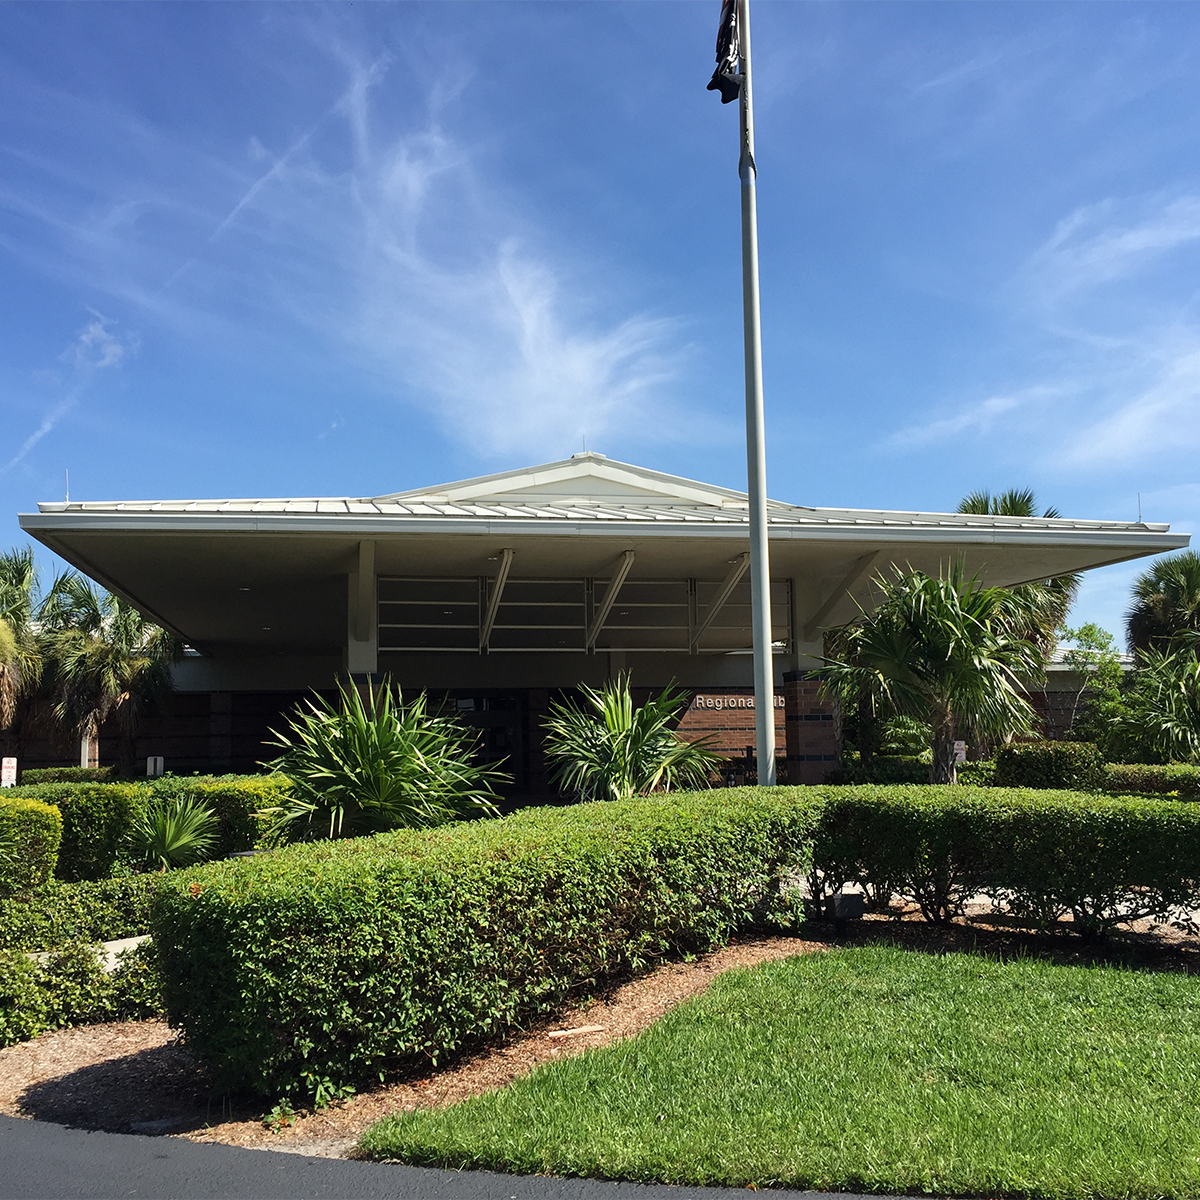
[[41, 1161]]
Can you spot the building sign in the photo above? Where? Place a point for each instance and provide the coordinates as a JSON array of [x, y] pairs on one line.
[[8, 772], [722, 703]]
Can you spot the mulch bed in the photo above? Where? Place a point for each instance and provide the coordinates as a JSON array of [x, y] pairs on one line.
[[139, 1077]]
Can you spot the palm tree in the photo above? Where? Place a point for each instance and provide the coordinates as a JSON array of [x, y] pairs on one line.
[[606, 749], [942, 650], [105, 659], [1043, 605], [1166, 603], [20, 666]]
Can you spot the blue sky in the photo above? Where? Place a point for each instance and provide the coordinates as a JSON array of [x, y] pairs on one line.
[[273, 249]]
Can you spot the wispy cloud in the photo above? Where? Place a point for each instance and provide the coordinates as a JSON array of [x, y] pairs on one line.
[[391, 243], [1100, 244], [975, 419], [95, 348]]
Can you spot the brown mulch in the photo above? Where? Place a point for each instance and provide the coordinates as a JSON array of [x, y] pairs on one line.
[[138, 1077]]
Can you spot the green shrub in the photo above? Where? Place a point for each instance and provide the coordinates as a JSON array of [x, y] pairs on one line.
[[71, 988], [69, 775], [1077, 766], [1177, 780], [30, 833], [898, 768], [98, 817], [319, 966], [1040, 854], [59, 913], [977, 774]]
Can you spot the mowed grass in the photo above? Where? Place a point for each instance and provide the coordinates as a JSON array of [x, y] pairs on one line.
[[873, 1069]]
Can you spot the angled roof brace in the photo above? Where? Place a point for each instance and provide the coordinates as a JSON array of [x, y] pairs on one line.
[[856, 572], [610, 598], [485, 630], [740, 566]]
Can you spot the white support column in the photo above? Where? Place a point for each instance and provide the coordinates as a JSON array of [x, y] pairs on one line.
[[362, 634]]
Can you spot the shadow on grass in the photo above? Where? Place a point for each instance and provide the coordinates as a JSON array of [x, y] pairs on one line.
[[994, 937]]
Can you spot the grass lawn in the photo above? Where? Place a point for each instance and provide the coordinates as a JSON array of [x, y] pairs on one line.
[[873, 1069]]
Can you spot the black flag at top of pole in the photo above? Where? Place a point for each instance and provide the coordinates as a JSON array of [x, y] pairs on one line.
[[726, 78]]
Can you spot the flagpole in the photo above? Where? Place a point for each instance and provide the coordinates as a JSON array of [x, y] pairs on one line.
[[756, 442]]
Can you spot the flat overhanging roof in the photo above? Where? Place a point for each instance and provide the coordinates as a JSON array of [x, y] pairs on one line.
[[239, 576]]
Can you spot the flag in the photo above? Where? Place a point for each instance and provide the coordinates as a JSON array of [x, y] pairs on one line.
[[726, 78]]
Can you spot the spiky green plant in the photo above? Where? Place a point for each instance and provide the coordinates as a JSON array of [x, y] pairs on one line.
[[1162, 706], [606, 749], [942, 650], [371, 763], [174, 833]]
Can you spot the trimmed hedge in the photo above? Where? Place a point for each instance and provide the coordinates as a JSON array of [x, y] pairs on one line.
[[97, 816], [1077, 766], [1177, 780], [69, 775], [321, 965], [898, 768], [71, 988], [30, 833], [1040, 854], [60, 913]]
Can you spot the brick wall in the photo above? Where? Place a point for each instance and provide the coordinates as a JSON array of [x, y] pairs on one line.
[[812, 730]]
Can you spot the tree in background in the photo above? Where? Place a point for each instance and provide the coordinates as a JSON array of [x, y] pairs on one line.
[[1166, 603], [103, 659], [1091, 653], [1044, 602], [947, 651], [20, 655], [606, 749]]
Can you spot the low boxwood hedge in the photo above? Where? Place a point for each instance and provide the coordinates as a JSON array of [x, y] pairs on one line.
[[69, 775], [1177, 780], [319, 966], [1077, 766], [1040, 854], [70, 988], [90, 911], [30, 833], [97, 816]]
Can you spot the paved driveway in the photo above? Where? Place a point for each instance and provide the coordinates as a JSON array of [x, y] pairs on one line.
[[40, 1161]]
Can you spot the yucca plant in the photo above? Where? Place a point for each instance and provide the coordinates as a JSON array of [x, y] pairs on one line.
[[371, 763], [606, 749], [174, 833]]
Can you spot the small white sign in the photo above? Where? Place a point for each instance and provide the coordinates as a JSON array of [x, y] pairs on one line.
[[8, 772], [154, 766], [960, 752]]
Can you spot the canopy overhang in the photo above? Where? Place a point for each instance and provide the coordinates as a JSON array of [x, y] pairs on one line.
[[272, 577]]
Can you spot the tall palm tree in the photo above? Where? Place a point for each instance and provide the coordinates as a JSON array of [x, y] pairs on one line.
[[105, 660], [942, 650], [1166, 603], [21, 667], [1042, 605]]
